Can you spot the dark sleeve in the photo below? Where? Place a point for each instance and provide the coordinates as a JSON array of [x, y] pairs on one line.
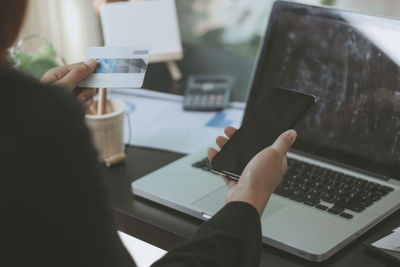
[[59, 209], [231, 238], [89, 235]]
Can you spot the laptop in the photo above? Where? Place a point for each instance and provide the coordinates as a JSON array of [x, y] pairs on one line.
[[344, 170]]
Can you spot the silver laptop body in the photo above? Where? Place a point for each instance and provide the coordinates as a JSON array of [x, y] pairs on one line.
[[289, 60]]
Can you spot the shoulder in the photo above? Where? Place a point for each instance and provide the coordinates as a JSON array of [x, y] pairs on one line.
[[31, 91], [35, 107]]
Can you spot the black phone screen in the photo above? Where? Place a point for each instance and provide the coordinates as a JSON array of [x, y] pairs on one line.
[[280, 111]]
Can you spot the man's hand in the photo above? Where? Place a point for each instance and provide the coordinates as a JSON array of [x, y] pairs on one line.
[[98, 3], [262, 174], [70, 76]]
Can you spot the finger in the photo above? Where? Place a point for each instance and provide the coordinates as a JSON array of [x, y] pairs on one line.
[[85, 91], [79, 90], [57, 73], [232, 183], [91, 92], [285, 141], [87, 104], [229, 131], [228, 181], [97, 5], [284, 164], [54, 74], [211, 153], [221, 141], [73, 65], [86, 95], [78, 73]]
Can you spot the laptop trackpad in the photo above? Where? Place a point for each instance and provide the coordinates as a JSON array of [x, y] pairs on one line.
[[214, 201], [272, 207]]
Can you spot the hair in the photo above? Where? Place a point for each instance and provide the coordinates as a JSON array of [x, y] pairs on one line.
[[12, 13]]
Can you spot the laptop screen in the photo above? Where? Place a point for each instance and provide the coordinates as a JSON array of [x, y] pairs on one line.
[[350, 61]]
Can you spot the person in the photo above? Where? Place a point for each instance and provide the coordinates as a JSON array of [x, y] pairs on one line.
[[54, 209], [98, 3]]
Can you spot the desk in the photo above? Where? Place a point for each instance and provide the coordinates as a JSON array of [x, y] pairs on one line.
[[166, 228]]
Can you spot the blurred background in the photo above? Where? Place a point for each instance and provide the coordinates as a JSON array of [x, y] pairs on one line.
[[70, 25], [233, 25]]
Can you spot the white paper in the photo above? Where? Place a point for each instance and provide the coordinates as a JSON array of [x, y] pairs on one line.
[[143, 253], [146, 93], [164, 96], [152, 24], [390, 242], [397, 230], [163, 124]]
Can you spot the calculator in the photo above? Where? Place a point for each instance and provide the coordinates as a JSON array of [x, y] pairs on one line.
[[208, 92]]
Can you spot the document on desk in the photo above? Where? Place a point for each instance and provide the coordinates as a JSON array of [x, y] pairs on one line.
[[143, 253], [389, 244], [163, 124]]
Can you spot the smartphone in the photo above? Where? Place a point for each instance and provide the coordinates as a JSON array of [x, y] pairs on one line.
[[281, 110]]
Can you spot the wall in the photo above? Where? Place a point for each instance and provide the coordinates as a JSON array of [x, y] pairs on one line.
[[71, 25]]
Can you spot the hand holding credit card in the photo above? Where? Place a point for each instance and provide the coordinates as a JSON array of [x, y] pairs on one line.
[[118, 67]]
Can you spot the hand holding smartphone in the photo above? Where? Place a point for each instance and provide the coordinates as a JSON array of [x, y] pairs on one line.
[[280, 111]]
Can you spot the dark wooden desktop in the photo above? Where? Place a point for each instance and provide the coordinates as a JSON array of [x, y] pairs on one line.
[[167, 228]]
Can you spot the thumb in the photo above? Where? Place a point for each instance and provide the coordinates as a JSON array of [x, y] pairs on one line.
[[285, 141], [78, 72]]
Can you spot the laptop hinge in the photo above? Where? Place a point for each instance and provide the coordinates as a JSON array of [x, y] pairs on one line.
[[394, 182]]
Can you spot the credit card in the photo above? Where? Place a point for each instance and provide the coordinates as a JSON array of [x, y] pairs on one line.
[[118, 67]]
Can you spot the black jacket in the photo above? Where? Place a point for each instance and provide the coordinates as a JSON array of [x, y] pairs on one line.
[[54, 210]]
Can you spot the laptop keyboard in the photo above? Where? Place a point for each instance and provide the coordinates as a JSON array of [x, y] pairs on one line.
[[324, 189]]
